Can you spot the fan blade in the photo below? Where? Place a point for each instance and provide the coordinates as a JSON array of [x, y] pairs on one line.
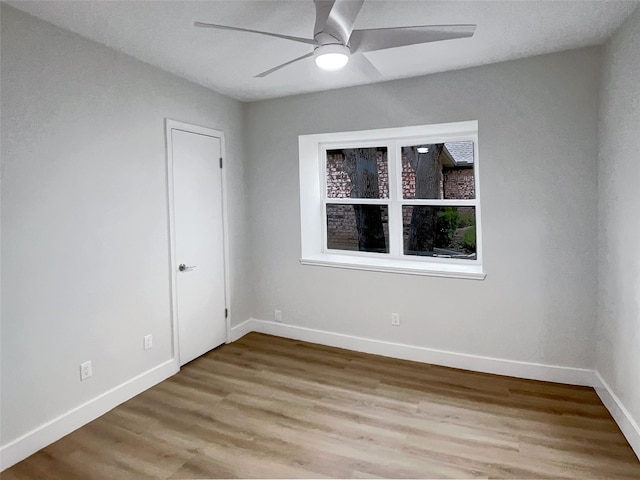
[[363, 64], [308, 41], [336, 18], [383, 38], [271, 70]]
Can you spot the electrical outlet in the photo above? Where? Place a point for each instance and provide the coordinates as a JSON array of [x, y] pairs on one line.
[[277, 315], [148, 341], [85, 370], [395, 319]]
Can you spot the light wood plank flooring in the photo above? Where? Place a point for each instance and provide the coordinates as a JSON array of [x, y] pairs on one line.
[[267, 407]]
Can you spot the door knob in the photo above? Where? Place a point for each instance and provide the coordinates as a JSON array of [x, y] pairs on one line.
[[182, 267]]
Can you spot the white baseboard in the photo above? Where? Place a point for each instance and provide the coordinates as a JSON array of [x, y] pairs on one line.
[[618, 411], [241, 330], [499, 366], [66, 423]]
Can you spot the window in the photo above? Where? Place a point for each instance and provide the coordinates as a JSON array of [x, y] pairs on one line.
[[399, 200]]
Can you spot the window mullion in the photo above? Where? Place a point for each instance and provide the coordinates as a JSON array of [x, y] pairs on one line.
[[357, 201], [437, 202], [395, 193]]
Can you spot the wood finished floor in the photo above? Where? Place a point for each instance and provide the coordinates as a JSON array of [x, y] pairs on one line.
[[267, 407]]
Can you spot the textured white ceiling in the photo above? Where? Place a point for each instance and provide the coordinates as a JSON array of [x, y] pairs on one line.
[[162, 33]]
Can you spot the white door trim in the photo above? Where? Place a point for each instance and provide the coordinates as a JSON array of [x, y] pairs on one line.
[[187, 127]]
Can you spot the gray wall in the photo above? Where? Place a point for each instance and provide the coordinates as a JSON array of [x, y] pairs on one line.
[[538, 150], [618, 332], [85, 270]]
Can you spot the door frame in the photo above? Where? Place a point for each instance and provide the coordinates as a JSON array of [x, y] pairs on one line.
[[173, 270]]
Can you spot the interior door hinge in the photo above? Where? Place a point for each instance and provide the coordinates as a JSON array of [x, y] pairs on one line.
[[220, 162], [226, 312]]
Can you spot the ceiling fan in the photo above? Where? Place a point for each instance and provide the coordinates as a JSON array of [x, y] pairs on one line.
[[335, 42]]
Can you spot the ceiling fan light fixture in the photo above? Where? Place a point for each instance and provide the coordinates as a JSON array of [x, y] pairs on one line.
[[331, 57]]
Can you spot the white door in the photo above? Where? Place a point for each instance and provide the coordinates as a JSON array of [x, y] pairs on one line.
[[199, 243]]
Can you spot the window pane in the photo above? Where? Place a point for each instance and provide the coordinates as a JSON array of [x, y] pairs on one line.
[[357, 173], [439, 231], [363, 228], [439, 170]]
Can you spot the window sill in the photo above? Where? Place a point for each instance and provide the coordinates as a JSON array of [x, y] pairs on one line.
[[433, 269]]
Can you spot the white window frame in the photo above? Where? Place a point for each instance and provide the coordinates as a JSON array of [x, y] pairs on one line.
[[313, 200]]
